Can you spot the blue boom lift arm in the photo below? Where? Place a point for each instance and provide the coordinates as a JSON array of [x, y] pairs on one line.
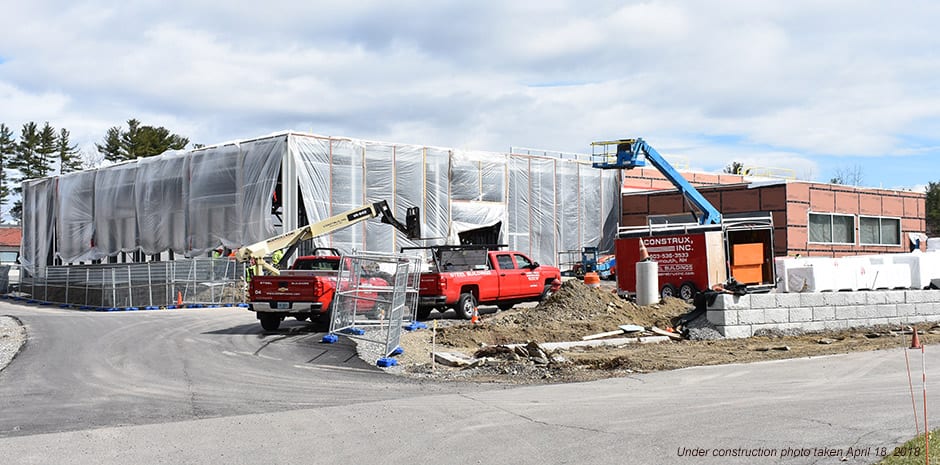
[[628, 157]]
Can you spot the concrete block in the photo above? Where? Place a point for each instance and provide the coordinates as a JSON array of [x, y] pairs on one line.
[[894, 297], [750, 317], [722, 317], [913, 297], [876, 298], [835, 325], [876, 311], [856, 323], [763, 301], [800, 314], [927, 308], [878, 322], [731, 302], [824, 313], [856, 298], [813, 326], [787, 300], [895, 321], [735, 331], [905, 309], [836, 299], [776, 315], [812, 299], [846, 312]]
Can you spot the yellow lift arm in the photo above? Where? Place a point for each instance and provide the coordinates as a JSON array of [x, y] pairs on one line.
[[259, 250]]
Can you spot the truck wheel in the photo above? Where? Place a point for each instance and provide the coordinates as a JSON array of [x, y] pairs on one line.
[[687, 291], [424, 313], [668, 291], [546, 293], [505, 306], [465, 305], [270, 321]]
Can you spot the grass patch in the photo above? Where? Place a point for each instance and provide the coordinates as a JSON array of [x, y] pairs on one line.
[[912, 452]]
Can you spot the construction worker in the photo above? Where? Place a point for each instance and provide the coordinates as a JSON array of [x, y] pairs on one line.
[[276, 257]]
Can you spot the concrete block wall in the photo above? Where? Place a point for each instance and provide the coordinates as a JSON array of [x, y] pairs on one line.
[[742, 316]]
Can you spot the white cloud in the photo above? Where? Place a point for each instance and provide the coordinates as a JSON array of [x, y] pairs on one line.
[[800, 81]]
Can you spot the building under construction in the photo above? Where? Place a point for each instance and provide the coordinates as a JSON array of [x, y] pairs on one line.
[[185, 204]]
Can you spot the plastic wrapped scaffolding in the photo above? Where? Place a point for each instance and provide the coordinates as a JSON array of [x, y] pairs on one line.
[[193, 202]]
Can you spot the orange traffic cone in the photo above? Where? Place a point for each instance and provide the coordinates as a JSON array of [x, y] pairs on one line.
[[475, 317], [179, 298], [915, 341], [643, 253]]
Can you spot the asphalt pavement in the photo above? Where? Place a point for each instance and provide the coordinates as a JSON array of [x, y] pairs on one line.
[[207, 386]]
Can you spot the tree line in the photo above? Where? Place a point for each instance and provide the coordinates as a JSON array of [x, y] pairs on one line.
[[44, 151]]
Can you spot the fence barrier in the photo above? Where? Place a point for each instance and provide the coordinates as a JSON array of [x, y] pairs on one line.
[[150, 285]]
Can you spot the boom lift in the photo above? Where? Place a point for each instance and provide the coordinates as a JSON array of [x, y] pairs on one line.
[[627, 156], [259, 250]]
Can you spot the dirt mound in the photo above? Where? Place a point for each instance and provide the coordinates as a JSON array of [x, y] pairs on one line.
[[574, 311]]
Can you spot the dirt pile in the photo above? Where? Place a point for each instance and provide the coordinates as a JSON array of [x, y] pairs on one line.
[[571, 313]]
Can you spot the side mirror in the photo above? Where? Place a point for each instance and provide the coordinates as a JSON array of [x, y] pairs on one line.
[[534, 265]]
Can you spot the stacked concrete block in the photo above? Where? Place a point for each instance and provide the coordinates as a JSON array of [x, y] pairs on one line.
[[744, 316]]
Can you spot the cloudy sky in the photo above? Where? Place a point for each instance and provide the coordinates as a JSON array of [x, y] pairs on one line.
[[812, 86]]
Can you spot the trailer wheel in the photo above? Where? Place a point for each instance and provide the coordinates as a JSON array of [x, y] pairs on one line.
[[465, 305], [687, 291], [668, 291], [270, 321]]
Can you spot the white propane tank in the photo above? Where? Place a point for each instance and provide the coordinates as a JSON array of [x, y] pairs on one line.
[[647, 282]]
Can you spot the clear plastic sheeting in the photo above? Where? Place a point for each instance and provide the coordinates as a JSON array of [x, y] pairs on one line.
[[193, 202], [115, 210], [260, 167], [75, 220], [38, 219], [162, 194]]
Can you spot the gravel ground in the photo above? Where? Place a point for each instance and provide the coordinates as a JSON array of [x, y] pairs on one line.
[[12, 338]]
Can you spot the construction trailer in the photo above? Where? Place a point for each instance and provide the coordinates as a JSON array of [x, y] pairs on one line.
[[233, 194], [694, 251], [693, 257]]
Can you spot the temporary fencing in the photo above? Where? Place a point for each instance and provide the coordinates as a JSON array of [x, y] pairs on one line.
[[149, 285], [376, 290]]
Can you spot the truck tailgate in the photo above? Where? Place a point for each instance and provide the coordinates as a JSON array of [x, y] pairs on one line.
[[284, 288]]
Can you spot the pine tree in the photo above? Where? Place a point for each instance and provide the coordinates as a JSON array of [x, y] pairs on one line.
[[25, 163], [111, 148], [48, 146], [932, 207], [7, 154], [129, 142], [139, 141], [69, 158]]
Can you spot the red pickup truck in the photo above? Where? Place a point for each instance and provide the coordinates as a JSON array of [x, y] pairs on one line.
[[304, 291], [462, 277]]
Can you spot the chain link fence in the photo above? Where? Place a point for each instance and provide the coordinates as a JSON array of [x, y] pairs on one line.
[[151, 285]]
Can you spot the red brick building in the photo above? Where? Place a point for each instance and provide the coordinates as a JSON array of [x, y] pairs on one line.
[[811, 219]]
